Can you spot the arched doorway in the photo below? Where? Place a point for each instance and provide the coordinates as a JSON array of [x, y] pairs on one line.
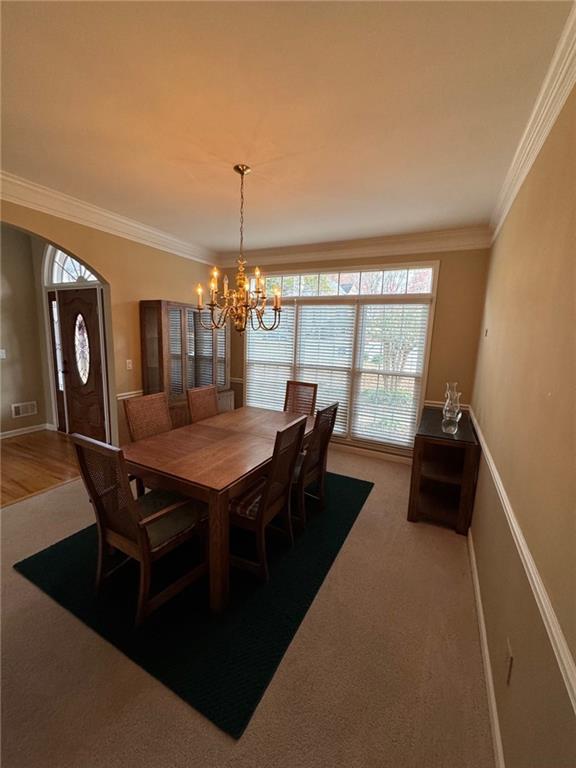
[[75, 317]]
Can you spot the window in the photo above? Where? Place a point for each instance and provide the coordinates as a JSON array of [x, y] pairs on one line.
[[369, 282], [81, 348], [66, 269], [362, 336]]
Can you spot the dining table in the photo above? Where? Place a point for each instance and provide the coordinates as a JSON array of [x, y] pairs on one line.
[[212, 461]]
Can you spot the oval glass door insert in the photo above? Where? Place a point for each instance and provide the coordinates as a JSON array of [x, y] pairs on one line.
[[82, 348]]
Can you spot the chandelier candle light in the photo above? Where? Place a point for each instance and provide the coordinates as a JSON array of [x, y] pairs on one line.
[[240, 304]]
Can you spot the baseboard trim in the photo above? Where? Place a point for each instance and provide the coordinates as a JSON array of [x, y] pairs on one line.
[[490, 693], [28, 430], [371, 454], [554, 630]]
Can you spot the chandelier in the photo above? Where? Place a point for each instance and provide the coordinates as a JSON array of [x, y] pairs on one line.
[[241, 305]]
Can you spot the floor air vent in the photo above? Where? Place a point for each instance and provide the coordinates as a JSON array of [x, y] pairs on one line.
[[24, 409]]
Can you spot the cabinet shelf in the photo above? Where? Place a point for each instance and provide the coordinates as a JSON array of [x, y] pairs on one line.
[[438, 471], [439, 502]]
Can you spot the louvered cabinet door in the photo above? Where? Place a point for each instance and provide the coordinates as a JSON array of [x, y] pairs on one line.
[[204, 363], [190, 347], [176, 352]]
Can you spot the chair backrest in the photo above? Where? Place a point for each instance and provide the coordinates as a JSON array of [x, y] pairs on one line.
[[105, 476], [147, 415], [317, 449], [202, 402], [287, 447], [300, 397]]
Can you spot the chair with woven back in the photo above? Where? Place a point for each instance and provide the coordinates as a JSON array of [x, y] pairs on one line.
[[202, 403], [147, 415], [270, 497], [145, 529], [311, 464], [300, 397]]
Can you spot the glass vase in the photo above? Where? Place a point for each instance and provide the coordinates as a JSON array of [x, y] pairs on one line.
[[451, 411]]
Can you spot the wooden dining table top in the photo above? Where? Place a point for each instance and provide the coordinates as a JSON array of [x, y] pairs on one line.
[[214, 453]]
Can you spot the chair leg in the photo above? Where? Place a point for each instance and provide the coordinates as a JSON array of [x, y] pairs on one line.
[[140, 489], [102, 547], [143, 592], [262, 556], [287, 515], [301, 503], [322, 489]]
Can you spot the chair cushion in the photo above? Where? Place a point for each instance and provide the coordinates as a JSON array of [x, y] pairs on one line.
[[174, 523], [247, 504]]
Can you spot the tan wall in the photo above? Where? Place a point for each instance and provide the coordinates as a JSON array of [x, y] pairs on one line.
[[21, 371], [525, 401], [133, 271], [459, 303], [535, 714]]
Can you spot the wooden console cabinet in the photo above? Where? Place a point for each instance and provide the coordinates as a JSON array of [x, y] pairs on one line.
[[444, 472]]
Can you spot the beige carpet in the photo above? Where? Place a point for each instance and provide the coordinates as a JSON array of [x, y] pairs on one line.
[[384, 672]]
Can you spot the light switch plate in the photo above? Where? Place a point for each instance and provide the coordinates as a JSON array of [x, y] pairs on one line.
[[2, 354]]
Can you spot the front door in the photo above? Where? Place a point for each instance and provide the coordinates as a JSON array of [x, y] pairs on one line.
[[82, 362]]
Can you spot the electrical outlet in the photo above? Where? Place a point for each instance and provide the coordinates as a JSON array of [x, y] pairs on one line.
[[2, 354], [509, 661], [128, 365]]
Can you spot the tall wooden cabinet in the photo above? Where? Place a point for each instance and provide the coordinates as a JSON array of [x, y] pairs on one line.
[[179, 354]]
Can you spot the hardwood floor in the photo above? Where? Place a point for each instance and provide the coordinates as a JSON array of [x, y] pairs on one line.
[[33, 463]]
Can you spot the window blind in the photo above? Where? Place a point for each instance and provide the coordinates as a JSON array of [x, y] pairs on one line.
[[270, 363], [370, 357], [324, 355], [388, 373]]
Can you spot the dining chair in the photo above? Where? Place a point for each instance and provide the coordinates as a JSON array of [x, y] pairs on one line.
[[269, 497], [311, 464], [202, 403], [147, 415], [300, 397], [144, 529]]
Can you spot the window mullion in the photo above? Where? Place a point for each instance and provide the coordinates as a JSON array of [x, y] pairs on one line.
[[296, 351], [352, 385]]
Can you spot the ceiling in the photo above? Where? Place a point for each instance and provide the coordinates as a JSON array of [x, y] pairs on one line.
[[358, 119]]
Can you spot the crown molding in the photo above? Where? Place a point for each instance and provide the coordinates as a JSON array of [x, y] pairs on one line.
[[15, 189], [558, 83], [463, 239]]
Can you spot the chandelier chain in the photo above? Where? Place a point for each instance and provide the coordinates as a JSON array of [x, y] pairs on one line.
[[242, 216]]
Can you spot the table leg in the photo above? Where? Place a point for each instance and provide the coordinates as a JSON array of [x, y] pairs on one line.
[[219, 555]]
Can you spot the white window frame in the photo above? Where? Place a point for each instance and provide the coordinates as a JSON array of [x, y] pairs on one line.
[[358, 300]]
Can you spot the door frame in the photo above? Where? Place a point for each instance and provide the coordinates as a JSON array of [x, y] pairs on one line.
[[105, 331]]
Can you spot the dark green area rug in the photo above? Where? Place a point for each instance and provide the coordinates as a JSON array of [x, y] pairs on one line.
[[219, 665]]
